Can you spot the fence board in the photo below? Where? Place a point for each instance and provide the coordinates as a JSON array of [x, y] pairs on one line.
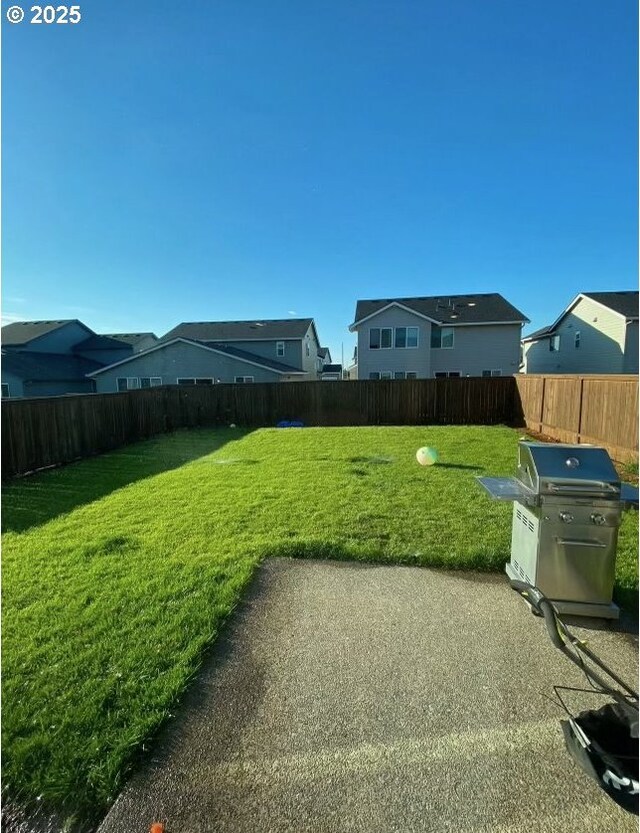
[[50, 431], [601, 410]]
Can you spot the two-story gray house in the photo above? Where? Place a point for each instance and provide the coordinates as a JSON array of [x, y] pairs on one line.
[[596, 333], [437, 337], [211, 352]]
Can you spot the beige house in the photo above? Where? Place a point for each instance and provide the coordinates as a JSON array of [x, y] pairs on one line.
[[596, 333]]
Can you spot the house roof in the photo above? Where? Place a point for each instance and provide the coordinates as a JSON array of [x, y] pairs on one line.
[[131, 338], [257, 330], [225, 349], [623, 303], [448, 309], [332, 368], [97, 342], [323, 352], [46, 367], [22, 332]]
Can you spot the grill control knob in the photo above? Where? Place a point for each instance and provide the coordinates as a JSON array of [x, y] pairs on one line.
[[598, 519], [566, 517]]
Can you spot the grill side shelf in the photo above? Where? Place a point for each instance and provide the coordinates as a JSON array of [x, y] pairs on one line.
[[505, 488]]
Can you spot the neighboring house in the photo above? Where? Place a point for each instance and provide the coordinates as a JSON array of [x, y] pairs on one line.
[[438, 336], [50, 358], [596, 333], [45, 374], [209, 352], [332, 373]]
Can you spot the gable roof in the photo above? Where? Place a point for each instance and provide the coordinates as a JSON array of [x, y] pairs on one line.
[[622, 303], [45, 367], [23, 332], [98, 342], [257, 330], [224, 349], [453, 310], [131, 338], [323, 352]]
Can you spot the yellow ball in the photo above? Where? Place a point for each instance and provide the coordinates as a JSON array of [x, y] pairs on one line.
[[427, 456]]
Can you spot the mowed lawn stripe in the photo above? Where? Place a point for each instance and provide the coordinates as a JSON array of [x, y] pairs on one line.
[[118, 571]]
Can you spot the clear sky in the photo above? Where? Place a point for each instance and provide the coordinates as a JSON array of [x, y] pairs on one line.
[[214, 160]]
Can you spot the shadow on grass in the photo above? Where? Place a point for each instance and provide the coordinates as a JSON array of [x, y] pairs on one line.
[[40, 497]]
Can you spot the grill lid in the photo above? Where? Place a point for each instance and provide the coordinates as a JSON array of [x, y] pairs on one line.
[[567, 469]]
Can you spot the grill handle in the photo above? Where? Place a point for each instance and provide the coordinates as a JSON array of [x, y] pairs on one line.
[[573, 542], [584, 486]]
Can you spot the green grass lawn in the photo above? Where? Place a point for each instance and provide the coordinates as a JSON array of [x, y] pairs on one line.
[[118, 571]]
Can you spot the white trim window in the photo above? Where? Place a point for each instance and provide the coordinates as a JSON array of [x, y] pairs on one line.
[[150, 381], [308, 349], [381, 338], [442, 338], [192, 380], [576, 339], [5, 391], [487, 373], [280, 349], [386, 374], [127, 383], [447, 374], [374, 375], [406, 337], [411, 374], [554, 344], [399, 374], [243, 380]]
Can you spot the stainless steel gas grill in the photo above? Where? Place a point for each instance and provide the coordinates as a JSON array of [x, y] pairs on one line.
[[568, 502]]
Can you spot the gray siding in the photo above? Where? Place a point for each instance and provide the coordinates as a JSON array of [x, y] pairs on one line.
[[479, 348], [267, 349], [631, 348], [416, 360], [476, 348], [310, 362], [601, 350], [16, 387], [183, 360], [105, 357], [59, 341]]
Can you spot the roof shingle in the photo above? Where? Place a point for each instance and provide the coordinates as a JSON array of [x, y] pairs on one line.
[[258, 330], [450, 309]]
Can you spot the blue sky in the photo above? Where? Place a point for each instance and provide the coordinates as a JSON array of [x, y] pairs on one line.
[[168, 162]]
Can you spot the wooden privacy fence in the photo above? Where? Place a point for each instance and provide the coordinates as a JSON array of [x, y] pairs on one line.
[[37, 433], [602, 410]]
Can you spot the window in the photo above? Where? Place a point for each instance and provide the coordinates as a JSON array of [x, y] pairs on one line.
[[554, 344], [492, 373], [5, 390], [128, 383], [189, 380], [380, 338], [406, 337], [399, 374], [280, 349], [374, 375], [386, 374], [576, 340], [150, 381], [308, 351], [411, 374], [443, 374], [243, 379], [441, 337]]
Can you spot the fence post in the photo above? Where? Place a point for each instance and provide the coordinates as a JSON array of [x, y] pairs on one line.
[[544, 384]]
